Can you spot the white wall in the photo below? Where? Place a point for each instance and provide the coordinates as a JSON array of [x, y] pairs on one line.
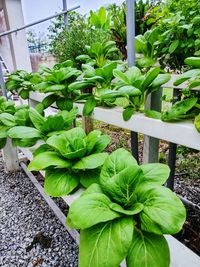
[[14, 47]]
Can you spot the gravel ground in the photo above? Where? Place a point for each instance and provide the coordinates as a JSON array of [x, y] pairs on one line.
[[31, 235]]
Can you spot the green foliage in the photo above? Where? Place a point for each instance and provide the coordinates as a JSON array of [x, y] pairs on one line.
[[179, 23], [145, 46], [40, 127], [70, 44], [22, 82], [56, 81], [129, 212], [189, 106], [135, 87], [71, 158], [95, 82], [10, 116], [99, 53], [100, 19]]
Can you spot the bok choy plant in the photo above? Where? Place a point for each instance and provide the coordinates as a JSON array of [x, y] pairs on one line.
[[22, 82], [95, 82], [41, 127], [126, 215], [56, 83], [10, 116], [134, 87], [99, 54], [189, 106], [71, 159]]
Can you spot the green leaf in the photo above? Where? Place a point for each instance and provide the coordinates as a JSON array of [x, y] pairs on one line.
[[140, 44], [4, 131], [163, 211], [25, 142], [42, 86], [150, 77], [127, 113], [89, 177], [115, 163], [91, 209], [160, 80], [40, 108], [24, 94], [91, 140], [64, 104], [94, 188], [89, 106], [179, 110], [135, 209], [37, 120], [173, 46], [80, 85], [196, 123], [155, 173], [121, 76], [53, 123], [91, 162], [133, 74], [24, 132], [60, 182], [70, 144], [48, 159], [193, 62], [117, 235], [2, 142], [7, 119], [122, 186], [149, 250], [54, 88], [49, 100], [129, 90], [101, 143], [22, 117], [187, 75], [153, 114], [40, 149]]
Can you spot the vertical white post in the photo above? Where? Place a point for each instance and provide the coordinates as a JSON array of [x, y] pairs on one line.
[[10, 157]]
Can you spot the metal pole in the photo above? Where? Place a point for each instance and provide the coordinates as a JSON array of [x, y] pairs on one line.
[[38, 21], [130, 31], [172, 151], [65, 15], [3, 86]]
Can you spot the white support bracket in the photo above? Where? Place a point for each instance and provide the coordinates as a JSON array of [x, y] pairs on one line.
[[10, 157]]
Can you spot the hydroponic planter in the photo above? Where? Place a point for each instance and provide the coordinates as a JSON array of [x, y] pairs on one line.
[[181, 256], [182, 133]]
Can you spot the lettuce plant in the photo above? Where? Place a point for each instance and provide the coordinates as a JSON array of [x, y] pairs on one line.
[[135, 87], [126, 215], [71, 159], [39, 127]]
